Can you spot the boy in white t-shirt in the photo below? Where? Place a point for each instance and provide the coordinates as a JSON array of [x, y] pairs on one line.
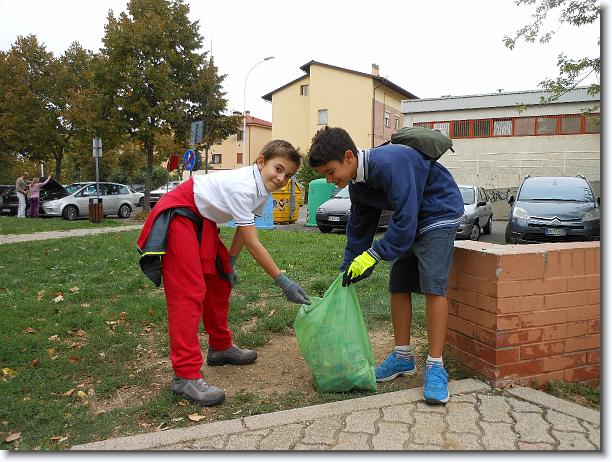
[[180, 241]]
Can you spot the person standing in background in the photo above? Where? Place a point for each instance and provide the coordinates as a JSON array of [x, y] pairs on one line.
[[35, 188], [21, 187]]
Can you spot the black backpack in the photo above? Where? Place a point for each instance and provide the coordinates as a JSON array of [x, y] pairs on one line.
[[430, 143]]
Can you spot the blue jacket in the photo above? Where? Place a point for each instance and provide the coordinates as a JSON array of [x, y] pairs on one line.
[[421, 193]]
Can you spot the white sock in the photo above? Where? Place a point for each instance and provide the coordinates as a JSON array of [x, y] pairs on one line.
[[434, 360], [403, 351]]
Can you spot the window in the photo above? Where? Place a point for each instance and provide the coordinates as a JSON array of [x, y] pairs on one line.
[[592, 123], [442, 127], [216, 159], [524, 126], [461, 128], [322, 116], [482, 127], [547, 125], [570, 124], [303, 90], [502, 127], [239, 158], [397, 122], [387, 119], [240, 135]]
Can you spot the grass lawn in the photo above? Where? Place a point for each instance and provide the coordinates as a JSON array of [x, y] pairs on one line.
[[14, 225], [79, 318]]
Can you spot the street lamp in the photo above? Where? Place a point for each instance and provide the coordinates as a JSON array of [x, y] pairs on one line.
[[246, 150]]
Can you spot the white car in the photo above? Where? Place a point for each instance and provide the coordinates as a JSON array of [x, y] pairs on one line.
[[159, 192]]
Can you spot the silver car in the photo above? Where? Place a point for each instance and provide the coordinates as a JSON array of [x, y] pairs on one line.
[[477, 217], [116, 200]]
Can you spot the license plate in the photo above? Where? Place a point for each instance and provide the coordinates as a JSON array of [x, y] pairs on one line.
[[334, 218], [6, 210], [555, 232]]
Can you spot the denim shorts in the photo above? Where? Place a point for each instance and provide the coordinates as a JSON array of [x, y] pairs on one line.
[[424, 268]]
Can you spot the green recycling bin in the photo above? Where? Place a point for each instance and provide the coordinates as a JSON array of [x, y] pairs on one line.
[[319, 191]]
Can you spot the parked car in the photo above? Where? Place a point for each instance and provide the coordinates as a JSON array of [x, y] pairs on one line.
[[137, 197], [156, 194], [116, 199], [477, 216], [553, 209], [9, 202], [334, 213]]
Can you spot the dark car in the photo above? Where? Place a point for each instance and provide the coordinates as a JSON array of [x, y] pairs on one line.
[[334, 213], [553, 209], [9, 203]]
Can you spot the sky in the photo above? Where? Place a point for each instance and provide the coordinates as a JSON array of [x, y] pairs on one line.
[[428, 47]]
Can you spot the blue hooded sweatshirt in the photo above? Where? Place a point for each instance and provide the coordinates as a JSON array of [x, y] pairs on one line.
[[421, 193]]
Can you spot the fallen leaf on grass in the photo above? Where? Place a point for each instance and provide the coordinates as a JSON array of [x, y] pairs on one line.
[[12, 437], [51, 351], [74, 289], [178, 419], [36, 362], [8, 373], [85, 305], [29, 330], [53, 338], [81, 394], [59, 298], [58, 439], [74, 359], [40, 295], [195, 417], [69, 392], [77, 333]]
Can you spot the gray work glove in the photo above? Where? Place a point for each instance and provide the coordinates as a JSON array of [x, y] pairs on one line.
[[293, 291], [233, 276]]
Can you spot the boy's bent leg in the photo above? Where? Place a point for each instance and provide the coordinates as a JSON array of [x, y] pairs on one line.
[[216, 306], [185, 289]]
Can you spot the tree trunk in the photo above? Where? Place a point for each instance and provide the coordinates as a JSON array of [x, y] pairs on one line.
[[59, 158], [149, 151]]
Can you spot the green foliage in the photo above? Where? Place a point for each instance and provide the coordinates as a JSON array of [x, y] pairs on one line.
[[572, 72], [306, 174], [577, 392]]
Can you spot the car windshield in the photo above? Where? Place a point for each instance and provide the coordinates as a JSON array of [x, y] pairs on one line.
[[73, 187], [555, 189], [342, 194], [468, 195]]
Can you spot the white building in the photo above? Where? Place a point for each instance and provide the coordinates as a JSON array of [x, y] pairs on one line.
[[500, 138]]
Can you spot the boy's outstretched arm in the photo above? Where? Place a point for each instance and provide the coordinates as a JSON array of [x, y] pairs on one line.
[[237, 243]]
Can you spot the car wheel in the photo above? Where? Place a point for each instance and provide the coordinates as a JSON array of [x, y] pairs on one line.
[[70, 213], [507, 234], [475, 232], [124, 211], [325, 229], [141, 202], [487, 229]]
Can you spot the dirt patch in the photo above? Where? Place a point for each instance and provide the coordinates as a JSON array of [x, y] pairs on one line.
[[280, 368]]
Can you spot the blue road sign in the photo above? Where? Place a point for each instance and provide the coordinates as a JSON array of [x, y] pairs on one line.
[[189, 159]]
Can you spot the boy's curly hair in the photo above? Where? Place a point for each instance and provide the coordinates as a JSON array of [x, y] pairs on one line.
[[330, 143]]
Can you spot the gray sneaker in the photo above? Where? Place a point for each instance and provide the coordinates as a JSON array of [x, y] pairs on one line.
[[198, 391], [233, 355]]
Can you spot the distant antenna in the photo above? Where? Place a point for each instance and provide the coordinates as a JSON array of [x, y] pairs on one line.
[[211, 45]]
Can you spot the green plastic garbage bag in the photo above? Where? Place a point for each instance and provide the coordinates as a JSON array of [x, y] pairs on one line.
[[334, 342]]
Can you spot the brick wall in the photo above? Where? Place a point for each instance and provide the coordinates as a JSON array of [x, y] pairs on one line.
[[525, 314]]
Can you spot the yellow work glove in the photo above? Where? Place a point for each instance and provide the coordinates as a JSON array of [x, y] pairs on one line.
[[361, 267]]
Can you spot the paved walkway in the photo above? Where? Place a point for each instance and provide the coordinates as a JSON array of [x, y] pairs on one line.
[[44, 235], [476, 418]]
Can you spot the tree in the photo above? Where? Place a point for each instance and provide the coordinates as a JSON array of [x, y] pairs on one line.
[[572, 72], [150, 55]]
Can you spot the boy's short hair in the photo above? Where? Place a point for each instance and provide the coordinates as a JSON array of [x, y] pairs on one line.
[[281, 148], [330, 143]]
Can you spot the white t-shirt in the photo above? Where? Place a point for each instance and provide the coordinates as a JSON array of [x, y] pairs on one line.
[[237, 195]]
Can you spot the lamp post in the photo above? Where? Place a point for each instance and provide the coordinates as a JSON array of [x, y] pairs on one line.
[[246, 150]]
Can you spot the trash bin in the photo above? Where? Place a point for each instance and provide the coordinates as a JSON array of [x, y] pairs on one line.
[[96, 210], [319, 191], [286, 204], [265, 221]]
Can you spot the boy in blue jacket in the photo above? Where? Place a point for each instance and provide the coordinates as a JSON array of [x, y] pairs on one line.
[[427, 208]]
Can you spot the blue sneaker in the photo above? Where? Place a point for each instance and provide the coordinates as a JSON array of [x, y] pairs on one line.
[[435, 386], [394, 366]]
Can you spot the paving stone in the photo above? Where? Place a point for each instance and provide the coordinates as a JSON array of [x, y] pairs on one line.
[[468, 398], [463, 442], [362, 421], [215, 442], [494, 409], [423, 447], [522, 406], [352, 441], [535, 446], [573, 441], [563, 422], [322, 431], [592, 433], [428, 429], [399, 413], [532, 428], [462, 417], [282, 437], [390, 436], [498, 436], [436, 408], [311, 447], [246, 441]]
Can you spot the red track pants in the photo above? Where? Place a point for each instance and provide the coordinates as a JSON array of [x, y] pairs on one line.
[[192, 296]]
